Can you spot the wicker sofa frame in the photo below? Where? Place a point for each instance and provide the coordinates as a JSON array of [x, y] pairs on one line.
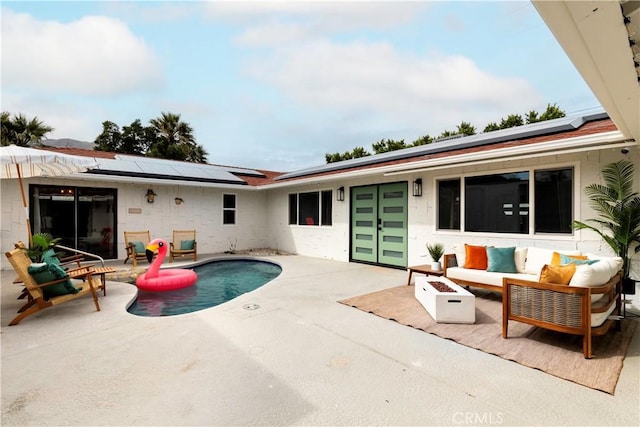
[[560, 308]]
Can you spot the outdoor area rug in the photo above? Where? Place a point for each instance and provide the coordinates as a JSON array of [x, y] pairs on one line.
[[551, 352]]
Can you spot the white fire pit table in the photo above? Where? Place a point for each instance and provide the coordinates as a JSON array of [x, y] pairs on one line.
[[446, 307]]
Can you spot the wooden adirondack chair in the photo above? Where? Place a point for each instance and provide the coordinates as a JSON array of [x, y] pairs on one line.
[[36, 301], [135, 243], [183, 244]]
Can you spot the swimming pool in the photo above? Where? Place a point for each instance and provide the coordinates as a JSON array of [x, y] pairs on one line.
[[218, 282]]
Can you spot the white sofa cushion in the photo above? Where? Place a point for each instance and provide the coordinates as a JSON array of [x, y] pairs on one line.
[[596, 274], [536, 259], [460, 254], [486, 277], [520, 257], [597, 319]]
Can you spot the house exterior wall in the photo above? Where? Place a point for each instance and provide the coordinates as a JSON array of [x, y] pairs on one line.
[[262, 214], [201, 210], [333, 242]]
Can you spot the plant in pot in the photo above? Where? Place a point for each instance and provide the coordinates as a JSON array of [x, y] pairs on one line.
[[618, 207], [436, 250], [41, 243]]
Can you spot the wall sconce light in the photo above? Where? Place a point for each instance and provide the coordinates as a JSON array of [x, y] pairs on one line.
[[417, 187], [340, 194], [178, 201], [151, 196]]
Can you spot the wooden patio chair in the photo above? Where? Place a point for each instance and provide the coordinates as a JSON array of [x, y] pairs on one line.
[[183, 244], [136, 243], [37, 300]]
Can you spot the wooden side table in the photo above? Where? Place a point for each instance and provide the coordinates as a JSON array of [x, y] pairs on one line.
[[98, 272], [426, 269]]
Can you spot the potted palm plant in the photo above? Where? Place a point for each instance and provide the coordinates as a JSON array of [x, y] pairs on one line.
[[618, 207], [41, 243], [436, 250]]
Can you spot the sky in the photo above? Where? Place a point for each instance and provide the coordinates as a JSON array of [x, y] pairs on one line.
[[277, 85]]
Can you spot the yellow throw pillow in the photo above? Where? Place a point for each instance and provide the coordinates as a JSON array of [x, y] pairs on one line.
[[560, 274], [556, 258]]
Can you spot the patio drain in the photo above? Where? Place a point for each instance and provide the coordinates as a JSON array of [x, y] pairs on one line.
[[251, 306]]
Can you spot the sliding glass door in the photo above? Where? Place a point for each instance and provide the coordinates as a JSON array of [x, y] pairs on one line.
[[84, 218]]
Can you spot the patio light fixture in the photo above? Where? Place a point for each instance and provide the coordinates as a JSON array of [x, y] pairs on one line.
[[417, 187], [151, 196], [340, 194], [178, 201]]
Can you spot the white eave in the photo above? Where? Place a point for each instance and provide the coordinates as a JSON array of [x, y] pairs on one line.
[[594, 37]]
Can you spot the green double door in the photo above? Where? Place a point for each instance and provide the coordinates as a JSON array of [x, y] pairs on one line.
[[379, 224]]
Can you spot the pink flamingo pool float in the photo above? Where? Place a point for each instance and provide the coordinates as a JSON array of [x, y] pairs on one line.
[[163, 280]]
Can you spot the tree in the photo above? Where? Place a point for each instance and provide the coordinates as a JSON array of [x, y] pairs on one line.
[[110, 139], [166, 137], [532, 117], [552, 112], [23, 132], [347, 155], [7, 128], [135, 138], [447, 133], [426, 139], [386, 145], [465, 128], [173, 139], [491, 127], [511, 121], [197, 155]]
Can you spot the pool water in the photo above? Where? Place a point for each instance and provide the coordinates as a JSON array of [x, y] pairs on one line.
[[218, 282]]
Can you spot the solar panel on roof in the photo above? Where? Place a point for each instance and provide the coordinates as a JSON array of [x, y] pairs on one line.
[[127, 165], [527, 131]]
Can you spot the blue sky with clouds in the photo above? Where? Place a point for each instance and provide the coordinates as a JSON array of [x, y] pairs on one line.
[[276, 85]]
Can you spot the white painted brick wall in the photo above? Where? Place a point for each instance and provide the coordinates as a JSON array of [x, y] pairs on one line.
[[262, 215]]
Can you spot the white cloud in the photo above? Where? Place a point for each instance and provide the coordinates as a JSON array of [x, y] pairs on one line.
[[94, 55], [78, 120], [274, 23], [428, 92]]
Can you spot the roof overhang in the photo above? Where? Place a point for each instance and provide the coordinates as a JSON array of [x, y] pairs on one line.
[[594, 37], [593, 142], [150, 180]]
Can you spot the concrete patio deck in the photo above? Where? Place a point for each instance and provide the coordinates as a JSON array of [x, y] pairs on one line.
[[301, 358]]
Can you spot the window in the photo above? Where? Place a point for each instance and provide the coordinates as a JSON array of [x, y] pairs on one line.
[[497, 203], [228, 209], [312, 208], [500, 203], [554, 198], [449, 204]]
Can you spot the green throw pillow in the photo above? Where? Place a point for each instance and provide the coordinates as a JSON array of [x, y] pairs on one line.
[[501, 260], [50, 257], [139, 247], [43, 273], [187, 245]]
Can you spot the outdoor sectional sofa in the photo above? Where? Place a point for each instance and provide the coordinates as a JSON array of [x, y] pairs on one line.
[[564, 291]]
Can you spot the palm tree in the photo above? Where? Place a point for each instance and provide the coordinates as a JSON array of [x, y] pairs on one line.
[[173, 138], [619, 209], [22, 131]]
